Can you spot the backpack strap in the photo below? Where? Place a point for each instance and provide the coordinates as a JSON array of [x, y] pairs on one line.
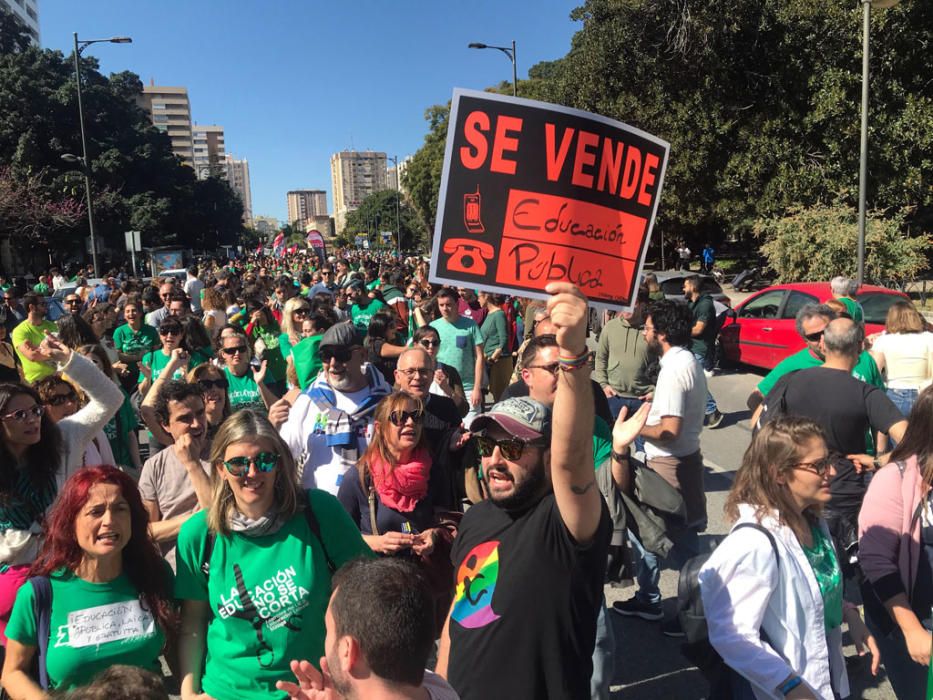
[[767, 533], [42, 609], [315, 527]]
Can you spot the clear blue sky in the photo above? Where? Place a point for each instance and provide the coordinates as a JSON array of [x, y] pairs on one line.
[[293, 81]]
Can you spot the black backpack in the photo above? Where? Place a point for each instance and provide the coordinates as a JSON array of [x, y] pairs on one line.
[[692, 617], [774, 405]]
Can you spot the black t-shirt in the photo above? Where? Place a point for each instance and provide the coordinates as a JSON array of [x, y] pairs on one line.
[[600, 402], [523, 623], [845, 407]]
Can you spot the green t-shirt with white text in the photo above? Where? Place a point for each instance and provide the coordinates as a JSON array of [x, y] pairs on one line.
[[362, 315], [93, 626], [243, 392], [267, 596]]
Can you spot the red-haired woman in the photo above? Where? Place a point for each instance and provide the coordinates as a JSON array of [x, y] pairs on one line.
[[111, 597]]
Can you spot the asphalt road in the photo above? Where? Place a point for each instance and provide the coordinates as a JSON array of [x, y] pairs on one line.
[[648, 664]]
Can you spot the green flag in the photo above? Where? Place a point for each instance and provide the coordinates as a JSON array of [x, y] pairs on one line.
[[307, 360]]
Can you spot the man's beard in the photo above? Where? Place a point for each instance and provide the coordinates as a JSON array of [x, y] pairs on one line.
[[525, 494]]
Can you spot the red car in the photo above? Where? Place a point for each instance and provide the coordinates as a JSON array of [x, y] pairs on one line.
[[761, 331]]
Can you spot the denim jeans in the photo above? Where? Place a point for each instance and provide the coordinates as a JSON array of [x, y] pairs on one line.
[[615, 405], [648, 567], [903, 398], [603, 655], [706, 364]]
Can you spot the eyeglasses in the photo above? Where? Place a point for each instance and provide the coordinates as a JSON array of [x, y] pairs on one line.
[[207, 384], [553, 368], [400, 418], [60, 399], [24, 414], [230, 352], [820, 467], [511, 448], [264, 462], [341, 354], [171, 330], [429, 343], [815, 337], [412, 371]]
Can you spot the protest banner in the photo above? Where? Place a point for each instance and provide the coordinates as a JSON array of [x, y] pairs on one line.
[[315, 241], [533, 193]]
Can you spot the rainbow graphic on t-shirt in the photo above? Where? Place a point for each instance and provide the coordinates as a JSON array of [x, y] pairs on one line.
[[476, 582]]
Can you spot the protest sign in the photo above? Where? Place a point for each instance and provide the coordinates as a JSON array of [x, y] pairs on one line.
[[533, 193]]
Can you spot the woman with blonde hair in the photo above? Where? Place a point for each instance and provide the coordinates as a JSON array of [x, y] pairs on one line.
[[295, 311], [904, 353], [254, 571], [215, 311], [773, 598]]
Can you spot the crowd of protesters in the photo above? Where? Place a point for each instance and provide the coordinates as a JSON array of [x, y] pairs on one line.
[[315, 478]]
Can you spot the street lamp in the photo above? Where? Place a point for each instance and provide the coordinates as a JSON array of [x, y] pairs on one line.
[[510, 52], [398, 195], [863, 154], [80, 45]]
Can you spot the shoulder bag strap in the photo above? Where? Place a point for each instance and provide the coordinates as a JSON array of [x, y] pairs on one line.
[[767, 533], [373, 505]]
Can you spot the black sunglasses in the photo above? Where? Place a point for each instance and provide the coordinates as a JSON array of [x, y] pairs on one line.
[[815, 337], [429, 343], [207, 384], [24, 414], [400, 418], [230, 352], [170, 330], [511, 448], [60, 399], [341, 354]]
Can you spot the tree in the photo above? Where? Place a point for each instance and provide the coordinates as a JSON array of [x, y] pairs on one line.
[[422, 177], [818, 243], [27, 210], [377, 213], [136, 180]]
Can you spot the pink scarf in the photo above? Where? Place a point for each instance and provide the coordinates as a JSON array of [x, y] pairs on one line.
[[403, 486]]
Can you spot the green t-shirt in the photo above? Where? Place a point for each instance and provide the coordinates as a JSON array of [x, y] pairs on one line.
[[117, 431], [243, 392], [602, 441], [285, 346], [25, 331], [158, 361], [704, 310], [362, 315], [272, 355], [42, 288], [865, 369], [200, 356], [822, 558], [131, 342], [854, 309], [93, 626], [267, 596], [458, 347]]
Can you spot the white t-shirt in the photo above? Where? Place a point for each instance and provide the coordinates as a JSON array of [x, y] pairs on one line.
[[680, 391], [193, 287], [304, 433], [908, 358]]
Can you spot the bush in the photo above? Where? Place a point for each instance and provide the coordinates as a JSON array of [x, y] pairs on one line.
[[818, 243]]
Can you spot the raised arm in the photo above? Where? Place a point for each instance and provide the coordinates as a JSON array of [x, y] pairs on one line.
[[572, 474]]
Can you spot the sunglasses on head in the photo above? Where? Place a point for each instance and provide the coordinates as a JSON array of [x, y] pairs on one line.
[[341, 354], [60, 399], [264, 462], [230, 352], [170, 330], [207, 384], [400, 418], [429, 343], [24, 414], [511, 448]]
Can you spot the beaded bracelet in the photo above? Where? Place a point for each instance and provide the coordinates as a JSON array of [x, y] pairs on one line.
[[569, 364]]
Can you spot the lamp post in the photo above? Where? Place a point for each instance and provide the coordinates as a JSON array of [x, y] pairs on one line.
[[398, 218], [510, 52], [80, 45], [863, 152]]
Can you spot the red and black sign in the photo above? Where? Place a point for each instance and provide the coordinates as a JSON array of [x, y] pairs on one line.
[[534, 193]]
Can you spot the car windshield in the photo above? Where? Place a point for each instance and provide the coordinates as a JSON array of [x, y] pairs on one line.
[[875, 306]]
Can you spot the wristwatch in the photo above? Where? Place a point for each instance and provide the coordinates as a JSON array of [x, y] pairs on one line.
[[621, 456]]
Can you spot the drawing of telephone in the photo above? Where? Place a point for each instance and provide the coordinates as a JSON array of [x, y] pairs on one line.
[[467, 256], [472, 207]]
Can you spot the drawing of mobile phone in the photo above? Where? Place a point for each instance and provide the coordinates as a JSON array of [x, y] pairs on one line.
[[472, 208]]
